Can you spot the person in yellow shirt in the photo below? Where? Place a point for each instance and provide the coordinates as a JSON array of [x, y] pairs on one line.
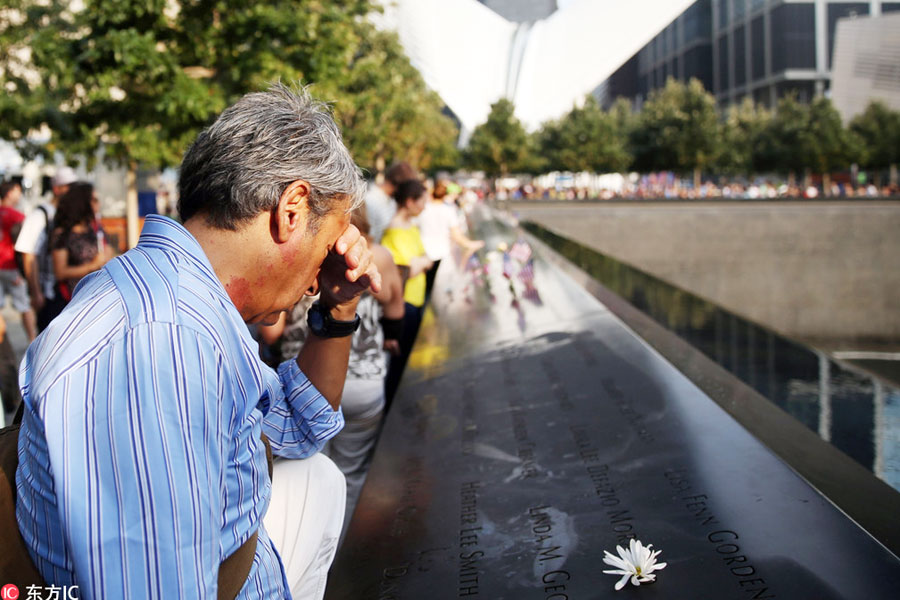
[[403, 241]]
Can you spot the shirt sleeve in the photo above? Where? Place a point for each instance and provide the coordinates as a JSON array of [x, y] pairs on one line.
[[136, 448], [299, 423]]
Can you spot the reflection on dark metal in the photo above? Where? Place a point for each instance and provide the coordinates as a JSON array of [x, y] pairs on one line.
[[857, 413]]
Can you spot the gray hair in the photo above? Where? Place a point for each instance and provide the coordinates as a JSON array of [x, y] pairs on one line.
[[240, 165]]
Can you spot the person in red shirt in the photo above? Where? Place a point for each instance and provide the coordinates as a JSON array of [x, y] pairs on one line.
[[11, 280]]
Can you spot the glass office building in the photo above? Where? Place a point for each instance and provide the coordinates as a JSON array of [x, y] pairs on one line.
[[762, 49]]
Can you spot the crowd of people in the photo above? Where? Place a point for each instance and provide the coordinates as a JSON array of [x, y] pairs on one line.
[[180, 402], [411, 225], [42, 258], [667, 186]]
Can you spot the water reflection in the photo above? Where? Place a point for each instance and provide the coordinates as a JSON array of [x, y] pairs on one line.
[[856, 412]]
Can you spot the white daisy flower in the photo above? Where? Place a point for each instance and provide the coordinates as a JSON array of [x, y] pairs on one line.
[[637, 562]]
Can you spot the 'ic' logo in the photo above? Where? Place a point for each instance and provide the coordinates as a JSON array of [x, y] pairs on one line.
[[9, 592]]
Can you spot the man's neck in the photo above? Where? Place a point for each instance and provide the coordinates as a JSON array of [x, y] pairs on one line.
[[238, 258]]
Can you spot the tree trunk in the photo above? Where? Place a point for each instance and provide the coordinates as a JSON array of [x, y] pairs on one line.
[[697, 180], [131, 205], [826, 183], [893, 174]]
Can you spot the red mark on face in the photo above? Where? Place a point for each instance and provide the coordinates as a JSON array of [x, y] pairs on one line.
[[239, 290]]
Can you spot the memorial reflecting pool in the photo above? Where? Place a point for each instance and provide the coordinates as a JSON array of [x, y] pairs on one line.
[[853, 410]]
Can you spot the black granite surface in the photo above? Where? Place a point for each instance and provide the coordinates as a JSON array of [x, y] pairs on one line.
[[533, 430]]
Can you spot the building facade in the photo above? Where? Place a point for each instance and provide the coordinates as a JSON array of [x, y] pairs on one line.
[[762, 49]]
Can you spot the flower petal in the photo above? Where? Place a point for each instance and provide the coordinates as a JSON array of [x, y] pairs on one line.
[[621, 583], [635, 580], [657, 567], [615, 561], [616, 572]]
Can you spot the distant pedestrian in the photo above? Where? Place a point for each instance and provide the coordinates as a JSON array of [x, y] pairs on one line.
[[76, 243], [403, 240], [12, 282], [440, 227], [33, 244], [380, 205]]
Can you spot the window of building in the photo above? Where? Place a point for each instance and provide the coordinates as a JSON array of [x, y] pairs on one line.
[[839, 10], [761, 96], [697, 20], [757, 48], [887, 7], [793, 37], [740, 55], [698, 65], [723, 13], [724, 80], [755, 5], [738, 9]]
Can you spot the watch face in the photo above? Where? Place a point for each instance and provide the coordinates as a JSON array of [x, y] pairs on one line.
[[315, 320]]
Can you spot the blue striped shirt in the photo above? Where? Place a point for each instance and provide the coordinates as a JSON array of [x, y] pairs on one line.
[[141, 465]]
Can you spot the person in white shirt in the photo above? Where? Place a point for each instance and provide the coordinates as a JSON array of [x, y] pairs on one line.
[[37, 263], [440, 225]]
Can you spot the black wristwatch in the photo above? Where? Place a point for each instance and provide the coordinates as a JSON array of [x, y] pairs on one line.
[[322, 324]]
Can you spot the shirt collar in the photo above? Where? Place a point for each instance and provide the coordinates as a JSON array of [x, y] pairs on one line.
[[169, 235]]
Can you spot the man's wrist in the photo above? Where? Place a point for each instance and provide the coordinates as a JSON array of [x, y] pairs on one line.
[[345, 311], [323, 323]]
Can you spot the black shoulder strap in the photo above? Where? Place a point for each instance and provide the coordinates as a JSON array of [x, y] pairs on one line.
[[46, 219]]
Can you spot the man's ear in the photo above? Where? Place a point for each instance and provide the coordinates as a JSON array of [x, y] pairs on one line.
[[292, 211]]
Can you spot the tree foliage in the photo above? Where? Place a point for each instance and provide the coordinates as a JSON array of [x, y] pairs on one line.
[[585, 139], [742, 131], [388, 113], [834, 147], [678, 128], [878, 129], [786, 144], [501, 145], [142, 78]]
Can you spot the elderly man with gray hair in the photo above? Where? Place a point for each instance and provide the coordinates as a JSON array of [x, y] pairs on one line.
[[143, 447]]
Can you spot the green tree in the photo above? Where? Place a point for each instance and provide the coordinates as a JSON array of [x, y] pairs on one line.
[[678, 128], [741, 132], [878, 128], [142, 79], [625, 120], [834, 147], [585, 139], [501, 144], [786, 145]]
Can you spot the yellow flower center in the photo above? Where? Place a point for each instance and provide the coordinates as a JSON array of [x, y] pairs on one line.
[[637, 570]]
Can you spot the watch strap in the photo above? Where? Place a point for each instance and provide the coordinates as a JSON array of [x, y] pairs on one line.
[[322, 324]]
